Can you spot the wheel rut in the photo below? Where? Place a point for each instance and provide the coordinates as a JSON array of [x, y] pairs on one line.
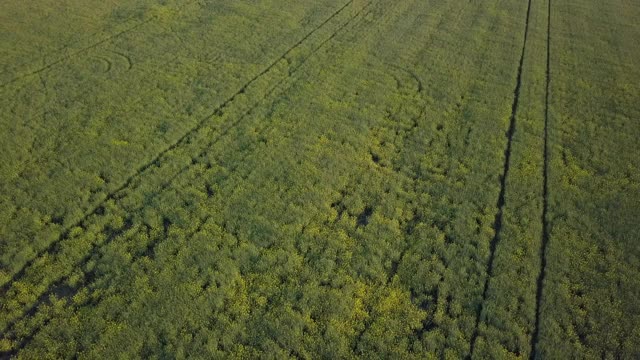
[[78, 52], [43, 299], [83, 50], [183, 140], [497, 225], [545, 199]]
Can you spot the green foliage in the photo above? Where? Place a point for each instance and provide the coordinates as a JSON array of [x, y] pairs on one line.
[[590, 307], [209, 179]]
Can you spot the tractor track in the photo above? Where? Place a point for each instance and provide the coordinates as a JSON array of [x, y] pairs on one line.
[[43, 298], [80, 94], [497, 225], [82, 50], [42, 112], [152, 245], [133, 102], [78, 52], [41, 109], [184, 139], [545, 197]]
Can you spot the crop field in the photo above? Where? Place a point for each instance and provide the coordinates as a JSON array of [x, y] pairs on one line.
[[335, 179]]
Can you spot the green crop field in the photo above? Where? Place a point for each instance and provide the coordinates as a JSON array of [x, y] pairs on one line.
[[320, 179]]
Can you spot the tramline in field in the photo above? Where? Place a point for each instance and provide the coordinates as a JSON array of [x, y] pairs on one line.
[[327, 179]]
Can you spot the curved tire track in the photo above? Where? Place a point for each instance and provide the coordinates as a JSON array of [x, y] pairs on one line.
[[184, 139], [85, 49], [78, 52], [125, 57], [43, 298], [419, 87]]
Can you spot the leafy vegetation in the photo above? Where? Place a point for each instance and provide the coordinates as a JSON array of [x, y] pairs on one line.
[[375, 179], [77, 131], [590, 298]]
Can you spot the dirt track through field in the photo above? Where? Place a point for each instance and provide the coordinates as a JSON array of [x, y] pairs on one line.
[[497, 225]]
